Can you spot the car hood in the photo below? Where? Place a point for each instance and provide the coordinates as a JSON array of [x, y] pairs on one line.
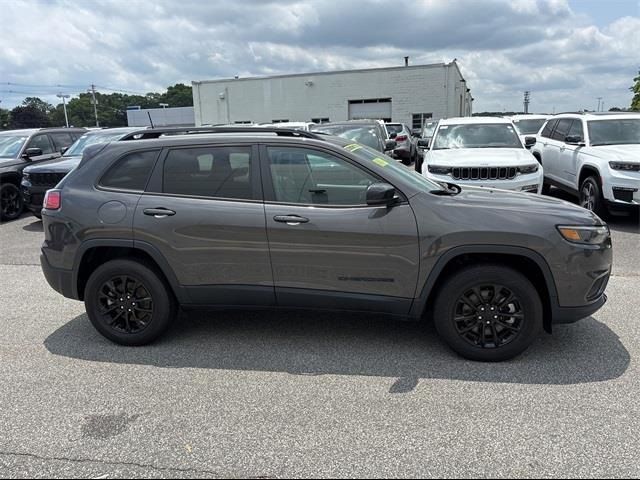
[[10, 162], [59, 165], [627, 153], [480, 157]]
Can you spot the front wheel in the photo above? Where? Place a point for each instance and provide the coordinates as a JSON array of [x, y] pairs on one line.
[[488, 313], [591, 196], [11, 203]]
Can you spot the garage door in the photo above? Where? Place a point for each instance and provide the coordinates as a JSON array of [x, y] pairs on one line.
[[379, 108]]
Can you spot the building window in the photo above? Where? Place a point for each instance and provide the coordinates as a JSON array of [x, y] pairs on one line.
[[320, 120], [243, 122], [419, 119], [279, 121]]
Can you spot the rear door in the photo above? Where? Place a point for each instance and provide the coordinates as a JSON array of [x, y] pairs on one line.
[[568, 157], [329, 248], [204, 211], [556, 149]]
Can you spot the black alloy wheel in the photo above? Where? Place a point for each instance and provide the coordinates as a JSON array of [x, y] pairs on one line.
[[11, 203], [125, 304]]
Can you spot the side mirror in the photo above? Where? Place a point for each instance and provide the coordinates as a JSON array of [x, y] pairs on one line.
[[416, 133], [32, 152], [530, 141], [574, 140], [390, 145], [393, 135], [64, 150], [423, 143], [381, 194]]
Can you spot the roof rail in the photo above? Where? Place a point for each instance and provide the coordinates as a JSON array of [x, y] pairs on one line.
[[152, 133]]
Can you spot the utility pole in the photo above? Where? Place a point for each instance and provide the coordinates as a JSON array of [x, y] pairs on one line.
[[92, 91], [64, 105], [599, 100], [527, 99]]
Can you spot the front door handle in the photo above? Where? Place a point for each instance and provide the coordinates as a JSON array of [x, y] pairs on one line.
[[290, 219], [159, 212]]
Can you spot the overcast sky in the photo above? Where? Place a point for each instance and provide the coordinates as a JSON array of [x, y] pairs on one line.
[[567, 52]]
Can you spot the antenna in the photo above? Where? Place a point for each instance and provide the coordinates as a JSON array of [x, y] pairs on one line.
[[150, 121]]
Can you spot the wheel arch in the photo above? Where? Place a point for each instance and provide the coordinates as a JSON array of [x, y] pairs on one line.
[[587, 171]]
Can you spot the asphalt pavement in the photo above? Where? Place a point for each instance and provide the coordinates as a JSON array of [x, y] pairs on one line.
[[269, 395]]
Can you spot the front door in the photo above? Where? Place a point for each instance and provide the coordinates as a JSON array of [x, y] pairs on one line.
[[568, 158], [329, 249], [44, 143]]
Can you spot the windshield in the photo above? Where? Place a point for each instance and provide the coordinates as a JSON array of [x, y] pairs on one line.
[[428, 130], [529, 127], [91, 139], [477, 135], [370, 155], [10, 145], [364, 134], [622, 131]]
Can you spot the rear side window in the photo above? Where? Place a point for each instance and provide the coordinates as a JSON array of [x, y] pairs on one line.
[[561, 131], [131, 172], [217, 172], [548, 128]]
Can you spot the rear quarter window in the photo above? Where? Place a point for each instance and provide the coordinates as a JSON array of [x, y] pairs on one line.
[[131, 172]]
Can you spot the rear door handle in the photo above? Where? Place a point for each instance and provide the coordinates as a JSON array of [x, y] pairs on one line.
[[159, 212], [290, 219]]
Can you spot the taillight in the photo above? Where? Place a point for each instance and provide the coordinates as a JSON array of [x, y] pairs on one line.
[[401, 138], [52, 200]]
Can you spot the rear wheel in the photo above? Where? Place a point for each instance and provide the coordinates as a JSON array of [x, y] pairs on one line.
[[11, 204], [129, 303], [488, 313], [591, 196]]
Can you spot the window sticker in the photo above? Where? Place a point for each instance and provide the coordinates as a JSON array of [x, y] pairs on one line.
[[380, 161], [353, 147]]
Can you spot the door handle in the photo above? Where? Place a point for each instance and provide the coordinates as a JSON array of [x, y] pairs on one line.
[[290, 219], [159, 212]]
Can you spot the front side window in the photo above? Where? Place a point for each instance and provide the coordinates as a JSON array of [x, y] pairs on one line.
[[477, 135], [42, 142], [576, 129], [548, 128], [216, 172], [61, 140], [131, 172], [91, 139], [624, 131], [562, 130], [312, 177]]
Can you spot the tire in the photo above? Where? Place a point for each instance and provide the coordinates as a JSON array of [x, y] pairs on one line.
[[546, 188], [155, 308], [11, 202], [418, 164], [519, 321], [591, 196]]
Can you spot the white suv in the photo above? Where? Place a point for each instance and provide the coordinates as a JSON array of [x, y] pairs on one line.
[[482, 152], [529, 124], [593, 156]]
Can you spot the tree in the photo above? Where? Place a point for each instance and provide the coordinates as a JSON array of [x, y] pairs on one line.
[[635, 103], [179, 95], [4, 118]]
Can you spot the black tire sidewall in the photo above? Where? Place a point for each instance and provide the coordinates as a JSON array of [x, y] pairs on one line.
[[473, 276], [163, 302], [20, 199], [600, 208]]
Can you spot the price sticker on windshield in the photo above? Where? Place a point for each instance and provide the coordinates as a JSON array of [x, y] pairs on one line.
[[353, 147], [380, 161]]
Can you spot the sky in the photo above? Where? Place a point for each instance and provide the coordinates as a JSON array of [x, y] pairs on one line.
[[566, 52]]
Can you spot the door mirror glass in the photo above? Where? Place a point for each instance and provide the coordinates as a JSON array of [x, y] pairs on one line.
[[529, 141], [423, 143], [381, 194], [390, 145], [32, 152]]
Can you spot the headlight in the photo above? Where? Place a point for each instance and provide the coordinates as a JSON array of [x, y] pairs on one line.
[[25, 175], [439, 170], [628, 166], [533, 168], [585, 235]]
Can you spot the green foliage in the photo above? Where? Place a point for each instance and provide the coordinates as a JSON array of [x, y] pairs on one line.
[[28, 117], [635, 103], [4, 118]]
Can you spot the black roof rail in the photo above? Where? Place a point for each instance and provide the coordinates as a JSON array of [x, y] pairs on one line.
[[152, 133]]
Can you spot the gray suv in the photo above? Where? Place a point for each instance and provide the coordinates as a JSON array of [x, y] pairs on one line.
[[288, 219]]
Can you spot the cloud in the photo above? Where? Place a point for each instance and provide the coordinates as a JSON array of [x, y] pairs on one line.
[[503, 47]]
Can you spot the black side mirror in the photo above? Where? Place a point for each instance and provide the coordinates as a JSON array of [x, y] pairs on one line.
[[393, 135], [574, 140], [416, 133], [64, 150], [530, 141], [423, 143], [390, 145], [381, 194], [32, 152]]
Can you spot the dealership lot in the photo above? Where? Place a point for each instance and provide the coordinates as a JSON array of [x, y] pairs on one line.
[[254, 394]]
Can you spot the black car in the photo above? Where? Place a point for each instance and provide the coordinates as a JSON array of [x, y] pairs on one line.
[[371, 133], [37, 179], [289, 219], [20, 148]]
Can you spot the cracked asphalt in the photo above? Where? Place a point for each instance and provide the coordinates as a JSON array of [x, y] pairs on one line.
[[270, 395]]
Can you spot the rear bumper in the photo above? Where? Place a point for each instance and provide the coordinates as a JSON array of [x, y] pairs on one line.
[[562, 315], [59, 279]]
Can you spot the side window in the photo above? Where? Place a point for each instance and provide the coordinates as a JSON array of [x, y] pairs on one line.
[[61, 140], [548, 128], [561, 131], [218, 172], [312, 177], [42, 142], [576, 129], [130, 172]]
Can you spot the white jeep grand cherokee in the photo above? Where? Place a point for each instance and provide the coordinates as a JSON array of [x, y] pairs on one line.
[[593, 156], [482, 152]]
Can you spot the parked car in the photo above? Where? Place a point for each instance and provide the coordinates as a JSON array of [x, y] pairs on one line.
[[483, 152], [426, 133], [37, 179], [371, 133], [593, 156], [19, 148], [406, 144], [291, 219], [306, 126], [528, 125]]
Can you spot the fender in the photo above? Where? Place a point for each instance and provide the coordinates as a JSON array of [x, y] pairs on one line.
[[420, 303]]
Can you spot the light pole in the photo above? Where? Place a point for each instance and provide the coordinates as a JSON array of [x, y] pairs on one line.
[[64, 105]]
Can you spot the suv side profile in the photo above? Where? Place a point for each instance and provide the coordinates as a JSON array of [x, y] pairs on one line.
[[593, 156], [372, 133], [289, 219], [19, 148]]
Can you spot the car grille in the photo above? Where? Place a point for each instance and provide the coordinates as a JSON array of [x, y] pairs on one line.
[[484, 173], [46, 179]]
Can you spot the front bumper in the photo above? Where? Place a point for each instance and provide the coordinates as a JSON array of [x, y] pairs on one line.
[[33, 196], [531, 182], [621, 188], [563, 315]]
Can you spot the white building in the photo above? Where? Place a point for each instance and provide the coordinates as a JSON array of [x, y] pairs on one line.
[[409, 94], [161, 117]]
